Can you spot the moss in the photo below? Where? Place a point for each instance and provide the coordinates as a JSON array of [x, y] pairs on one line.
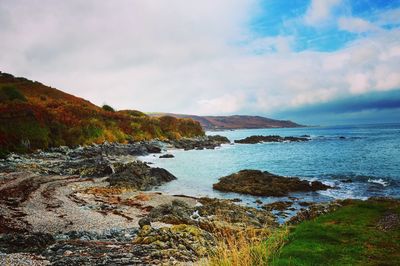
[[188, 229]]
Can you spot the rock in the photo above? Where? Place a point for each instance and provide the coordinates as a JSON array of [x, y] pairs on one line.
[[144, 221], [139, 175], [152, 148], [314, 210], [199, 143], [257, 201], [258, 183], [29, 242], [99, 169], [181, 242], [271, 138], [226, 212], [278, 206], [305, 203], [177, 212], [167, 156], [346, 180], [219, 139]]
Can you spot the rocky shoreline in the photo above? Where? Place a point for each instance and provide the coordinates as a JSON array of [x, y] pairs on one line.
[[91, 206]]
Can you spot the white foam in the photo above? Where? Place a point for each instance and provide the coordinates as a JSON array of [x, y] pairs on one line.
[[379, 181]]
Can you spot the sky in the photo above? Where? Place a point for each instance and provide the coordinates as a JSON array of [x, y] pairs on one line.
[[312, 61]]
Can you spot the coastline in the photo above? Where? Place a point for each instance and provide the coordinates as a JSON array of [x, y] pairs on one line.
[[64, 200]]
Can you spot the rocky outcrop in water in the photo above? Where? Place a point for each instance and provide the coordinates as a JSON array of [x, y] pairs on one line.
[[258, 183], [167, 156], [200, 143], [271, 138]]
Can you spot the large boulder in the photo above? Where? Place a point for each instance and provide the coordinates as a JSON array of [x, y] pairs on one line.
[[181, 242], [178, 212], [138, 175], [259, 183]]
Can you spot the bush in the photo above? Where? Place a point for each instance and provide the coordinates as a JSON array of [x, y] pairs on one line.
[[108, 108], [10, 93]]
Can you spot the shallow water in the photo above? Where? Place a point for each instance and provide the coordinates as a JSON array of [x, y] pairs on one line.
[[368, 158]]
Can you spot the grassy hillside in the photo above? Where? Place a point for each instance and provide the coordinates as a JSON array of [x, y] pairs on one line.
[[358, 233], [35, 116], [361, 233]]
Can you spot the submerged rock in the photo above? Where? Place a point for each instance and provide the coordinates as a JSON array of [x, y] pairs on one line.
[[138, 175], [271, 138], [167, 156], [258, 183]]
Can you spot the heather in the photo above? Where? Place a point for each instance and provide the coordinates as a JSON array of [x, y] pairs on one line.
[[35, 116]]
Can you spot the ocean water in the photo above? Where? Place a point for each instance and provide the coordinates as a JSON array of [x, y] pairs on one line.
[[368, 158]]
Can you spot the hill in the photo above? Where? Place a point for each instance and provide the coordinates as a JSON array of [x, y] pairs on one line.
[[35, 116], [234, 121]]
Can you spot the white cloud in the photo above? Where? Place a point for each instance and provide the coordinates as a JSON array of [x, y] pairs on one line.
[[319, 11], [389, 17], [227, 103], [356, 25], [183, 56]]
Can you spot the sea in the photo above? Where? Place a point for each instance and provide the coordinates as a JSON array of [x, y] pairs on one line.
[[358, 161]]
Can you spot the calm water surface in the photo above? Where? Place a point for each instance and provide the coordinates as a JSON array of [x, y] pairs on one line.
[[368, 159]]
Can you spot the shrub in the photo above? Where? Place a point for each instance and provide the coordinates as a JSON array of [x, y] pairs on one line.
[[134, 113], [10, 93], [108, 108], [248, 247]]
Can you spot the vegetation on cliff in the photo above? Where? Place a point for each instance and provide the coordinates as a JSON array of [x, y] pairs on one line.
[[35, 116]]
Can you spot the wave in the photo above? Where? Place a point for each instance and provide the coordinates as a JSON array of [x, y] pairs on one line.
[[379, 181]]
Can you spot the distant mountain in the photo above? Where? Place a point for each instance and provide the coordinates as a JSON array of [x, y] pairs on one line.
[[234, 121]]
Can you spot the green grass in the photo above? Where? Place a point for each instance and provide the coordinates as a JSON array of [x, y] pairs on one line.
[[348, 236]]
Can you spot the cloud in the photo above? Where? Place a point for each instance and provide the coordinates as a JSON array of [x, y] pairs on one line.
[[382, 107], [223, 104], [195, 57], [319, 11], [389, 17], [356, 25]]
